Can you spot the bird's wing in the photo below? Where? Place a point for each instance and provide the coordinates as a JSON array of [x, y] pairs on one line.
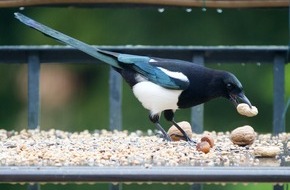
[[141, 64], [156, 74]]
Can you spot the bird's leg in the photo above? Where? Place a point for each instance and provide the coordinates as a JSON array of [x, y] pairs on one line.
[[155, 120], [185, 136], [169, 115], [164, 133]]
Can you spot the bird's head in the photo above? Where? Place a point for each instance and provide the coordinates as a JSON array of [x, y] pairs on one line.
[[234, 90]]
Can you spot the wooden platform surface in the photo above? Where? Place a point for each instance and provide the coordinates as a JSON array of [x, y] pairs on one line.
[[179, 3]]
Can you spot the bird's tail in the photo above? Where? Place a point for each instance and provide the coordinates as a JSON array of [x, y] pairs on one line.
[[107, 57]]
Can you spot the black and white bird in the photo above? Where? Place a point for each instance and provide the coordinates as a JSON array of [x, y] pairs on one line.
[[161, 85]]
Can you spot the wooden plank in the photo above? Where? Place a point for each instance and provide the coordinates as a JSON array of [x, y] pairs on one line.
[[181, 3]]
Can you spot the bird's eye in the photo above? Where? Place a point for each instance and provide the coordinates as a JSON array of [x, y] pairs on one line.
[[230, 86]]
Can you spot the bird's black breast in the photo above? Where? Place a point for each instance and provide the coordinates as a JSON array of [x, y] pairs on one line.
[[205, 84], [192, 97], [197, 92]]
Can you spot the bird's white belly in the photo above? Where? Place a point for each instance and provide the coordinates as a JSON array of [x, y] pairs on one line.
[[156, 98]]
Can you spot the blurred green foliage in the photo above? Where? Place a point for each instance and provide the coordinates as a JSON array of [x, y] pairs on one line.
[[153, 186], [87, 108]]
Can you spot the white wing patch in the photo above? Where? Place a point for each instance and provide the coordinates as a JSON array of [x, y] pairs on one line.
[[152, 60], [177, 75], [140, 78], [156, 98]]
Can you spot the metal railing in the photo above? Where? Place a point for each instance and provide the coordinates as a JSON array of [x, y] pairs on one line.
[[34, 56]]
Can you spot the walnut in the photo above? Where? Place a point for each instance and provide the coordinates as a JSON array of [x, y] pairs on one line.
[[176, 135], [244, 109], [243, 135]]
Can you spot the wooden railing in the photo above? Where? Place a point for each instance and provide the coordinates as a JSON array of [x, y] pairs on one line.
[[179, 3]]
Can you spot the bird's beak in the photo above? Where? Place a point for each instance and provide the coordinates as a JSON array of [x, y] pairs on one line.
[[241, 97]]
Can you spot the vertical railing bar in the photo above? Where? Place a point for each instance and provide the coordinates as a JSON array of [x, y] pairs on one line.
[[35, 186], [278, 187], [279, 100], [115, 91], [115, 187], [197, 111], [33, 91], [33, 98], [197, 186], [279, 94], [197, 116]]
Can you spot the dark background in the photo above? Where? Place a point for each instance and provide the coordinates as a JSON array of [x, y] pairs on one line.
[[75, 96]]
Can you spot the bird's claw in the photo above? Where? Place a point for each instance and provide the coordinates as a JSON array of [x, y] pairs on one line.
[[165, 137], [189, 140]]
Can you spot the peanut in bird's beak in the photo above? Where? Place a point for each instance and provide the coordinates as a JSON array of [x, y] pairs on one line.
[[241, 97]]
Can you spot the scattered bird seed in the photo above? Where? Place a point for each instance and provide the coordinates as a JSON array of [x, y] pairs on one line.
[[122, 148]]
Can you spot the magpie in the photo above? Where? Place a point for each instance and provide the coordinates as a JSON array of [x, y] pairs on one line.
[[161, 85]]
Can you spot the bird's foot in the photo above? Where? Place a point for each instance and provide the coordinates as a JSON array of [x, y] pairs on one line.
[[192, 142], [165, 137], [188, 139], [164, 134], [184, 134]]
